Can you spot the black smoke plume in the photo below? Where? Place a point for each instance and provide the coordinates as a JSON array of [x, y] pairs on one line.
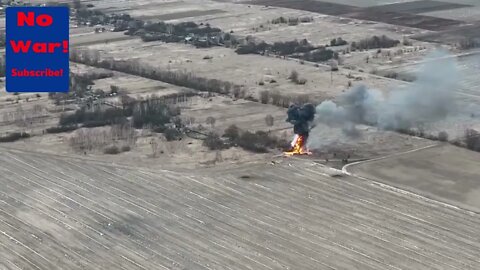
[[301, 117]]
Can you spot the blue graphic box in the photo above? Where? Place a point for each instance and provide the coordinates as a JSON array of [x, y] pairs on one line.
[[37, 41]]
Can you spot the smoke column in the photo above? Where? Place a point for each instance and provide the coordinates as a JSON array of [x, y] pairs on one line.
[[427, 100], [301, 117]]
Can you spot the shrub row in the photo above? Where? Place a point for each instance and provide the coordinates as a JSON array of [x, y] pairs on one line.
[[60, 129], [94, 118], [257, 142], [185, 79], [114, 150], [374, 42], [15, 136]]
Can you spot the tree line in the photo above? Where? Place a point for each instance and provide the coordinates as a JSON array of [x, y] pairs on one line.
[[302, 49], [181, 78], [257, 142], [374, 42]]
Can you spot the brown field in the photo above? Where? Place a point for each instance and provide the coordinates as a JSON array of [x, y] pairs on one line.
[[63, 213], [452, 36], [310, 5], [445, 173], [94, 38], [421, 6], [182, 14], [390, 17], [408, 20], [246, 70]]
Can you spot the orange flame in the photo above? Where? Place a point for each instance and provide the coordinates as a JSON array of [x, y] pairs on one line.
[[298, 146]]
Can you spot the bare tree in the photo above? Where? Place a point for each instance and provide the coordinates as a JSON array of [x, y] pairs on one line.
[[276, 97], [211, 121], [126, 100], [227, 87], [38, 109], [218, 157], [269, 120], [20, 117], [188, 120], [124, 132], [293, 76], [472, 139], [95, 57], [154, 147], [264, 96]]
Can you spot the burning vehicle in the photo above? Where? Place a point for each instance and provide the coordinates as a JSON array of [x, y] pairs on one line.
[[301, 118]]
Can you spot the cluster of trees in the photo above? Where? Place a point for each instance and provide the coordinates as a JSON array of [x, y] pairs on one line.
[[115, 149], [279, 48], [14, 136], [252, 48], [320, 55], [199, 35], [80, 86], [257, 142], [472, 140], [291, 47], [338, 42], [24, 118], [299, 49], [281, 100], [94, 118], [151, 112], [112, 140], [148, 37], [469, 43], [441, 136], [85, 15], [291, 20], [61, 129], [154, 113], [374, 42], [294, 77]]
